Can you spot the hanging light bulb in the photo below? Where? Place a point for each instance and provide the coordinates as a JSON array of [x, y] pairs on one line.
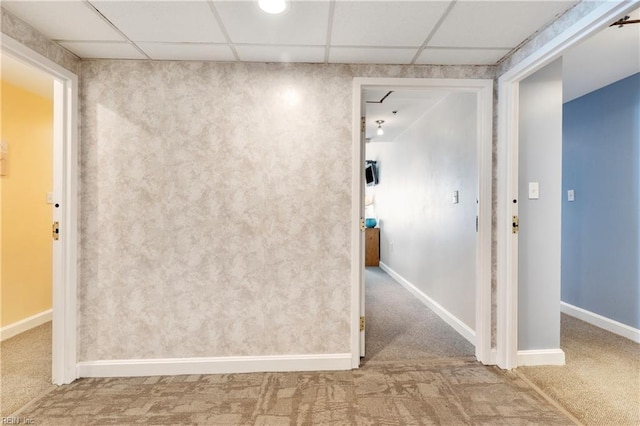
[[379, 132], [272, 6]]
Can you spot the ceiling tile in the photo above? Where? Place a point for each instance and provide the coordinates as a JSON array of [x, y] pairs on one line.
[[251, 53], [442, 56], [170, 21], [187, 51], [370, 55], [103, 50], [495, 23], [63, 20], [302, 23], [399, 23]]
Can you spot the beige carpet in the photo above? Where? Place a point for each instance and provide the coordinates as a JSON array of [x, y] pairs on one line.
[[25, 368], [600, 383]]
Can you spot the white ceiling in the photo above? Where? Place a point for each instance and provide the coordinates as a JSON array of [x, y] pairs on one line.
[[321, 31], [610, 55], [409, 105]]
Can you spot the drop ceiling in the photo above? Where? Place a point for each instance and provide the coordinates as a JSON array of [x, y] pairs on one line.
[[608, 56], [322, 31]]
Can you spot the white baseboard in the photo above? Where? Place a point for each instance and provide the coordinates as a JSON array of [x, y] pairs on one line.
[[21, 326], [601, 322], [541, 357], [217, 365], [463, 329]]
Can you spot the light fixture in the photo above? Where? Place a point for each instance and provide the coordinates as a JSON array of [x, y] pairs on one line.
[[379, 132], [272, 6]]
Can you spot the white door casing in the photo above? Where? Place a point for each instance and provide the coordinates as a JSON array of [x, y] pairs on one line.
[[484, 95], [65, 210]]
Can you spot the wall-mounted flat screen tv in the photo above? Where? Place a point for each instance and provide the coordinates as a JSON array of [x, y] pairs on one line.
[[371, 173]]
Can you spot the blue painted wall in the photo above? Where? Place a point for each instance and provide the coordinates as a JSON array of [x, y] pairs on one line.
[[601, 228]]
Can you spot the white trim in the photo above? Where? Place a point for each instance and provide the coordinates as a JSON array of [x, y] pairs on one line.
[[605, 323], [214, 365], [484, 90], [13, 329], [541, 357], [483, 306], [493, 357], [357, 235], [507, 179], [462, 329], [65, 192]]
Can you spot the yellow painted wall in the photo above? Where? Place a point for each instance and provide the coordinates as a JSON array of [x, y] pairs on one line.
[[26, 270]]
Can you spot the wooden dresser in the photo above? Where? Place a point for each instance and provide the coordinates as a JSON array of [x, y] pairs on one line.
[[372, 247]]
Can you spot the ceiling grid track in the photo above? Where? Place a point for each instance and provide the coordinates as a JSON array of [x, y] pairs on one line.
[[224, 31], [105, 19], [433, 32], [327, 47]]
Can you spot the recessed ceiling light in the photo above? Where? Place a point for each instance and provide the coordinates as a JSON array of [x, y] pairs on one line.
[[272, 6]]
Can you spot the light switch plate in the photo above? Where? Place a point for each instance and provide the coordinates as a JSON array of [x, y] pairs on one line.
[[534, 190], [571, 195], [455, 197]]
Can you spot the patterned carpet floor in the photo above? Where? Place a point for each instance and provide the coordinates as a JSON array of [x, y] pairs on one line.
[[436, 391]]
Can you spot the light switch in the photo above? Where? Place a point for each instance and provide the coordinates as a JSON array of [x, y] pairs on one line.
[[571, 195], [534, 190], [49, 197], [455, 197]]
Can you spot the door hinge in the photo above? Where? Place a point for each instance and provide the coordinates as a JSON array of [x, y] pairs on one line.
[[55, 230], [363, 124], [515, 225], [362, 227], [362, 323]]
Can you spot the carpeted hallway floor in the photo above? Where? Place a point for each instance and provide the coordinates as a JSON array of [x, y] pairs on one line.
[[399, 326], [412, 375]]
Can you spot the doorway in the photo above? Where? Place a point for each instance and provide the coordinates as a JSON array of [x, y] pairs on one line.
[[508, 182], [64, 197], [481, 92]]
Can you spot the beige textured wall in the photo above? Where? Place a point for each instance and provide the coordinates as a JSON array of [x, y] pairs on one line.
[[215, 207]]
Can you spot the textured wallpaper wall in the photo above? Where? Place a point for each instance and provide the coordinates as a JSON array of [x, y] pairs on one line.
[[215, 207]]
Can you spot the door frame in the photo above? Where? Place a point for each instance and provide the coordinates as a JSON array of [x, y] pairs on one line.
[[483, 88], [507, 171], [65, 193]]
